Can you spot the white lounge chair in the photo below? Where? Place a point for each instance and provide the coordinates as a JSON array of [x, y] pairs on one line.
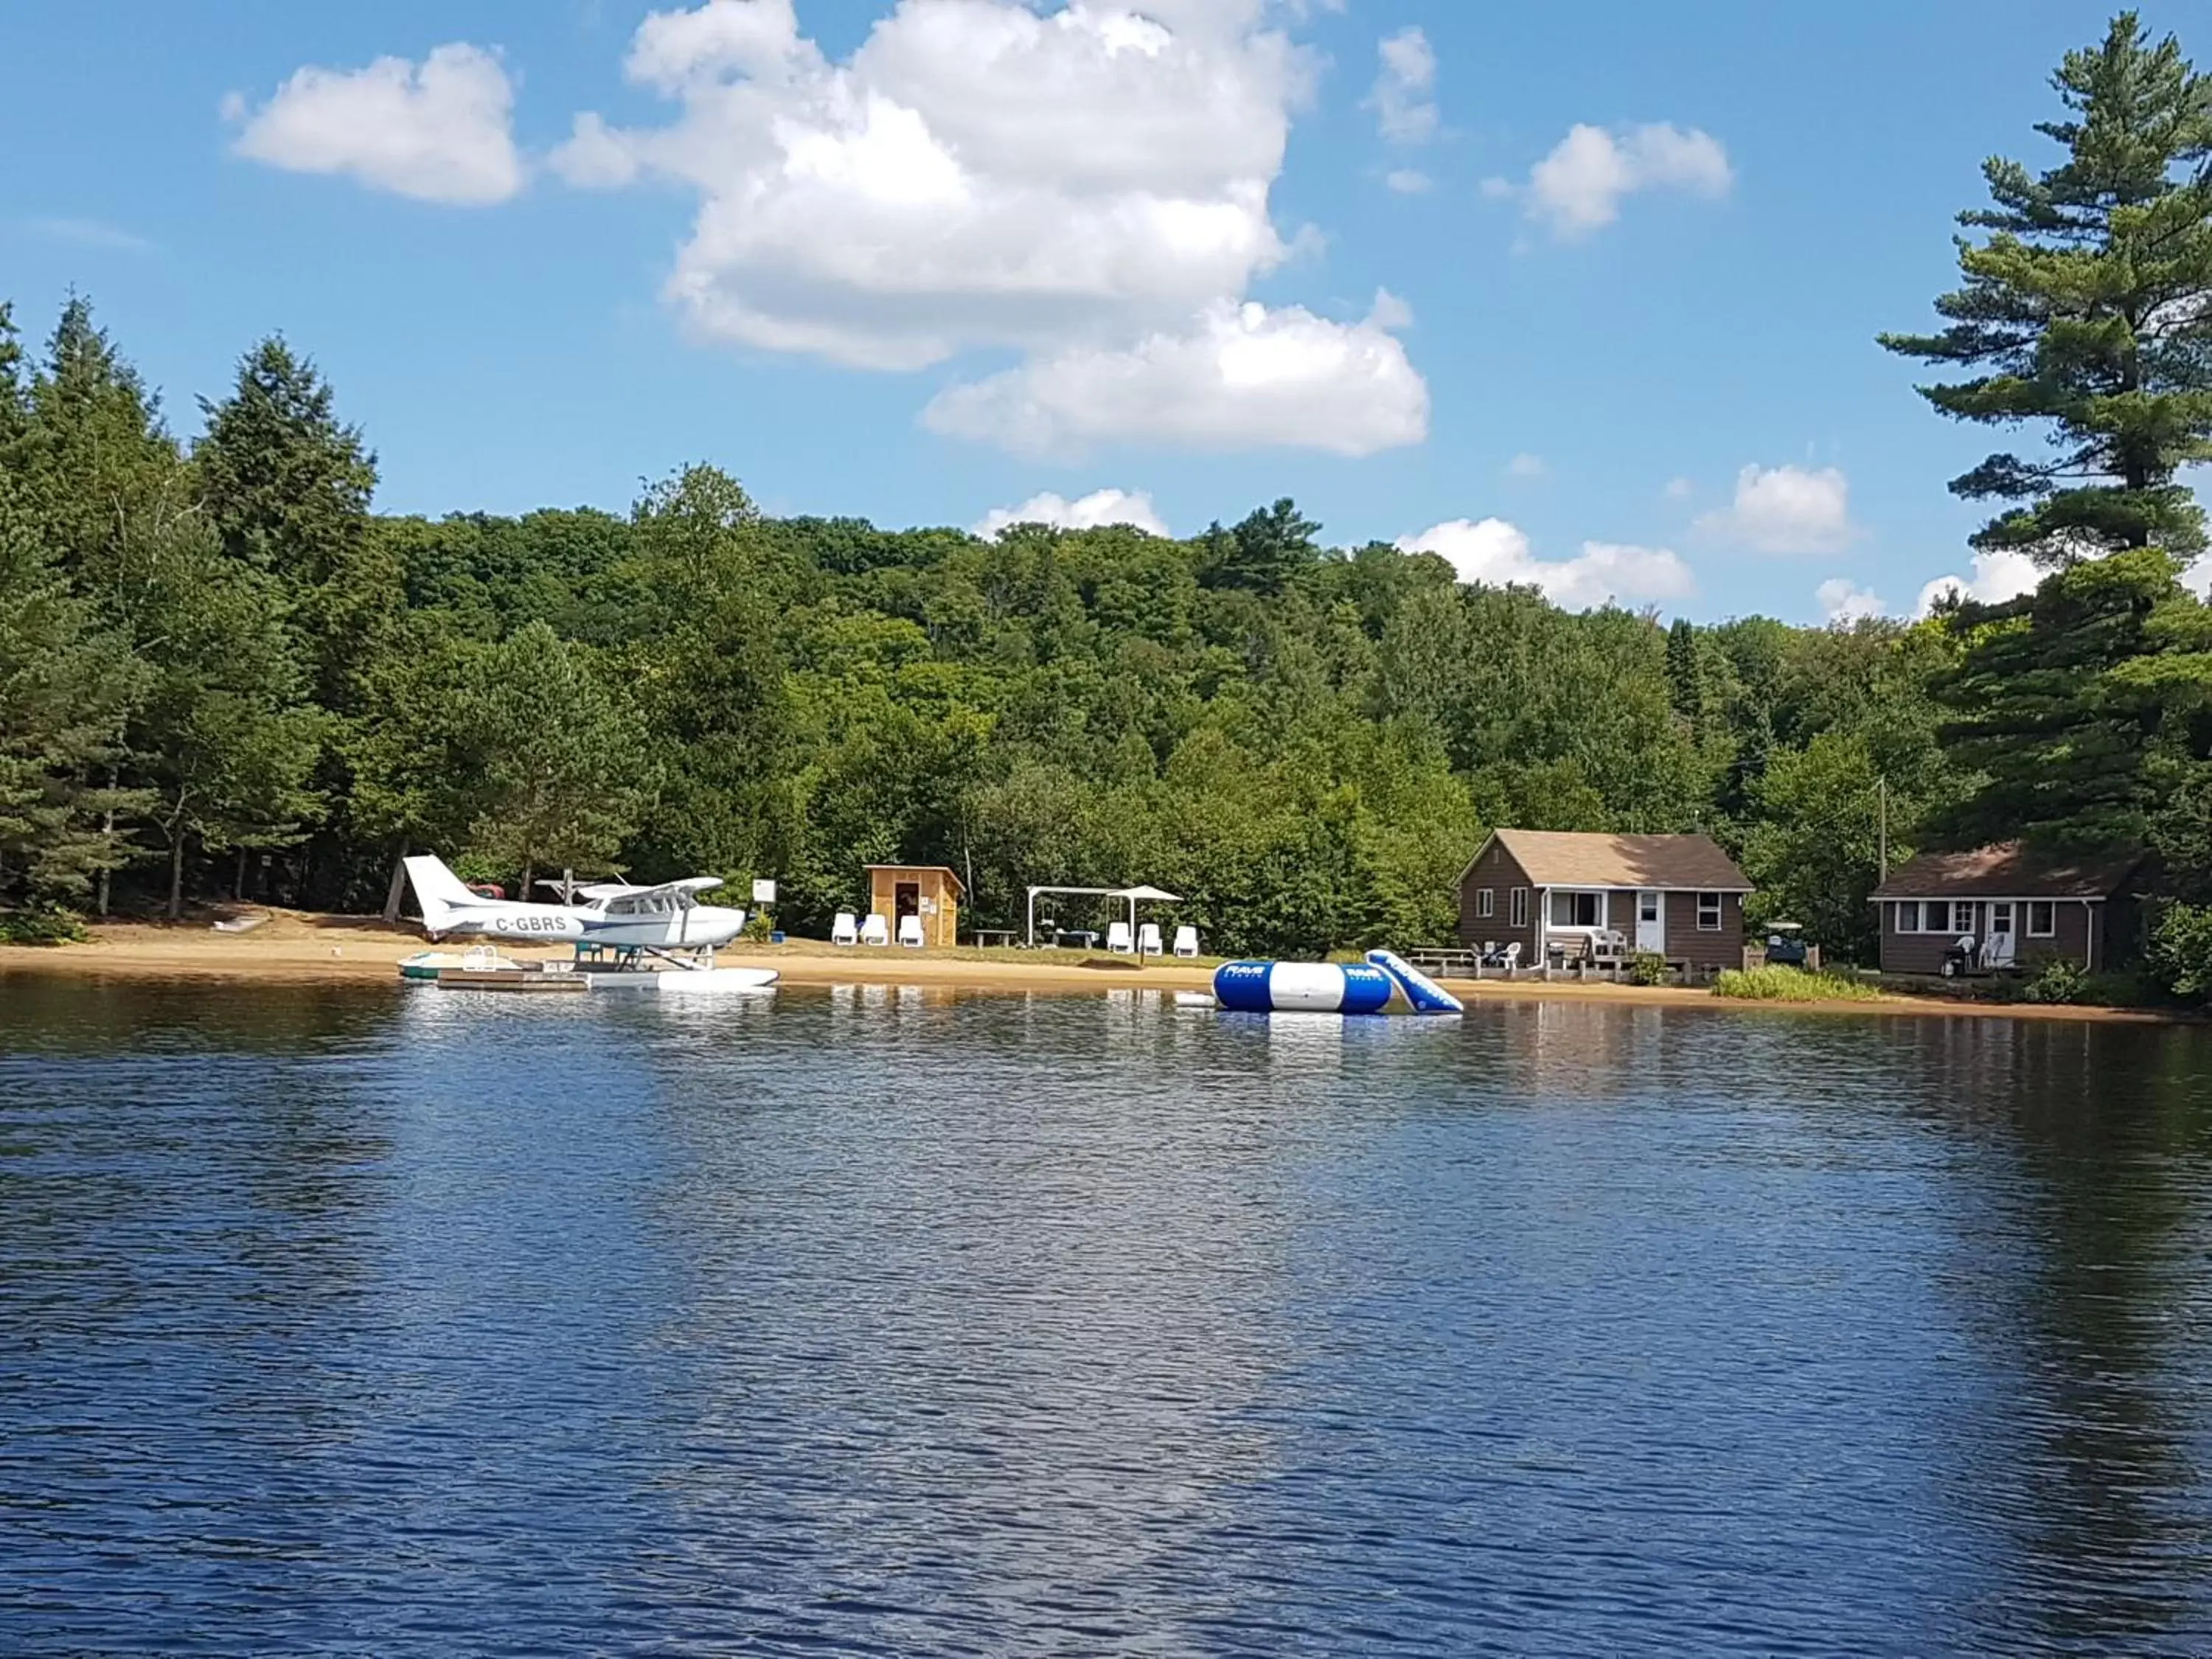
[[1117, 938], [875, 930], [844, 930], [910, 933], [1148, 939], [1186, 940]]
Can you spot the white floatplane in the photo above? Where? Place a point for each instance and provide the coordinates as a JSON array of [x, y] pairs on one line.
[[666, 921]]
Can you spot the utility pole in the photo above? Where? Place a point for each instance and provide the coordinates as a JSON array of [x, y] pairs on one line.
[[1881, 791]]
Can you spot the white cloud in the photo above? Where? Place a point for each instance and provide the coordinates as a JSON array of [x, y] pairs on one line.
[[442, 131], [1578, 187], [1787, 509], [1100, 506], [1409, 181], [1679, 489], [1494, 552], [976, 174], [1245, 377], [1525, 466], [1842, 600], [91, 233], [1998, 576], [1404, 98]]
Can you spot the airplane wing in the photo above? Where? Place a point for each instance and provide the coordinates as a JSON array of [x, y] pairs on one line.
[[680, 890]]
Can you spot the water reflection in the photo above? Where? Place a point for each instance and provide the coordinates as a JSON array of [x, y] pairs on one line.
[[874, 1319]]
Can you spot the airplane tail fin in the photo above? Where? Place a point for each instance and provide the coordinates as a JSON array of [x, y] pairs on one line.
[[438, 892]]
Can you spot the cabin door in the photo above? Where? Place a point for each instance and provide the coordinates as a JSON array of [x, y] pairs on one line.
[[906, 900], [1651, 921]]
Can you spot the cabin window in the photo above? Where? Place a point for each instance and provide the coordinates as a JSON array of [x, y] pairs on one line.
[[1486, 902], [1905, 916], [2042, 919], [1709, 913], [1574, 909], [1518, 908]]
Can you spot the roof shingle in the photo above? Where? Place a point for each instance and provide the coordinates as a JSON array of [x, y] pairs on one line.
[[2008, 870], [1564, 857]]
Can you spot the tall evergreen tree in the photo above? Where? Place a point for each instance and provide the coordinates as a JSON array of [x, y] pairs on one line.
[[95, 460], [287, 486], [1686, 679], [227, 739], [2088, 311], [64, 691]]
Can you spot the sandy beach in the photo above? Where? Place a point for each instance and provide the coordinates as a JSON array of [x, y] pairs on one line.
[[297, 946]]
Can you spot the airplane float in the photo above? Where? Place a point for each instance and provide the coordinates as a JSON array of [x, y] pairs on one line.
[[666, 920]]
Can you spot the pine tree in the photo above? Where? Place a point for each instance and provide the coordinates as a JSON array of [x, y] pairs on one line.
[[288, 487], [1686, 680], [2088, 310], [227, 739], [2066, 712], [96, 459], [64, 691]]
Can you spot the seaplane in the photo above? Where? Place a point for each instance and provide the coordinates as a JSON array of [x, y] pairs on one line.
[[666, 921]]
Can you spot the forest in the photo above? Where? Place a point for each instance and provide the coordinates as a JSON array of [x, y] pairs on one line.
[[223, 674]]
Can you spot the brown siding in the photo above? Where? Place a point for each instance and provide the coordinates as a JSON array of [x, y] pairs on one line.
[[1686, 944], [1496, 870], [1922, 953]]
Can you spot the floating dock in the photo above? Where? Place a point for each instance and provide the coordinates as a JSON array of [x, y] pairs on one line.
[[666, 981], [509, 979]]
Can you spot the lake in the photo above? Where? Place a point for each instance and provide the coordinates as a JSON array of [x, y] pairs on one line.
[[357, 1320]]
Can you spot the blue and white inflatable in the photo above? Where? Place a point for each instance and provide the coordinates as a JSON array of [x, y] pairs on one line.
[[1372, 986], [1424, 994], [1312, 987]]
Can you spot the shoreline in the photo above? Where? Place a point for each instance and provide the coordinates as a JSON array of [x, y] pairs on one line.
[[295, 947]]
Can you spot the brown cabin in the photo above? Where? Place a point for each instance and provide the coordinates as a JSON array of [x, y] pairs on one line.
[[2019, 906], [1678, 896], [930, 891]]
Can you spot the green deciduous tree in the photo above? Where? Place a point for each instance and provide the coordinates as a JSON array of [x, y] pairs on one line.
[[2087, 312], [561, 765]]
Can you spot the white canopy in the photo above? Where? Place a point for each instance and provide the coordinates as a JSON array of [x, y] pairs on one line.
[[1134, 896]]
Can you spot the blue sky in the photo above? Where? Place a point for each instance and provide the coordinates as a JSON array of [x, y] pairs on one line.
[[1004, 253]]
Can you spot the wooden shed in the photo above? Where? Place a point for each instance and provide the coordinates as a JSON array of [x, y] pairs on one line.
[[928, 890]]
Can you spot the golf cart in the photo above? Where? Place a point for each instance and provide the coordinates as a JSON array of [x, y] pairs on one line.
[[1785, 944]]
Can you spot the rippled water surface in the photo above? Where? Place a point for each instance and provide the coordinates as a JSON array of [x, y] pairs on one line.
[[378, 1323]]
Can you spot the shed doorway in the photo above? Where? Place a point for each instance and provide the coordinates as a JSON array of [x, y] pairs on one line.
[[1651, 921]]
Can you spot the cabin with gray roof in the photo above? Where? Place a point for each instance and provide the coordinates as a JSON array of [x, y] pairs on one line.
[[1678, 896], [2046, 905]]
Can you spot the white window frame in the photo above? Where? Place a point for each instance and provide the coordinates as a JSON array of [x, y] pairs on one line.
[[1898, 908], [1517, 908], [1575, 895], [1719, 906], [1486, 903], [2050, 908]]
